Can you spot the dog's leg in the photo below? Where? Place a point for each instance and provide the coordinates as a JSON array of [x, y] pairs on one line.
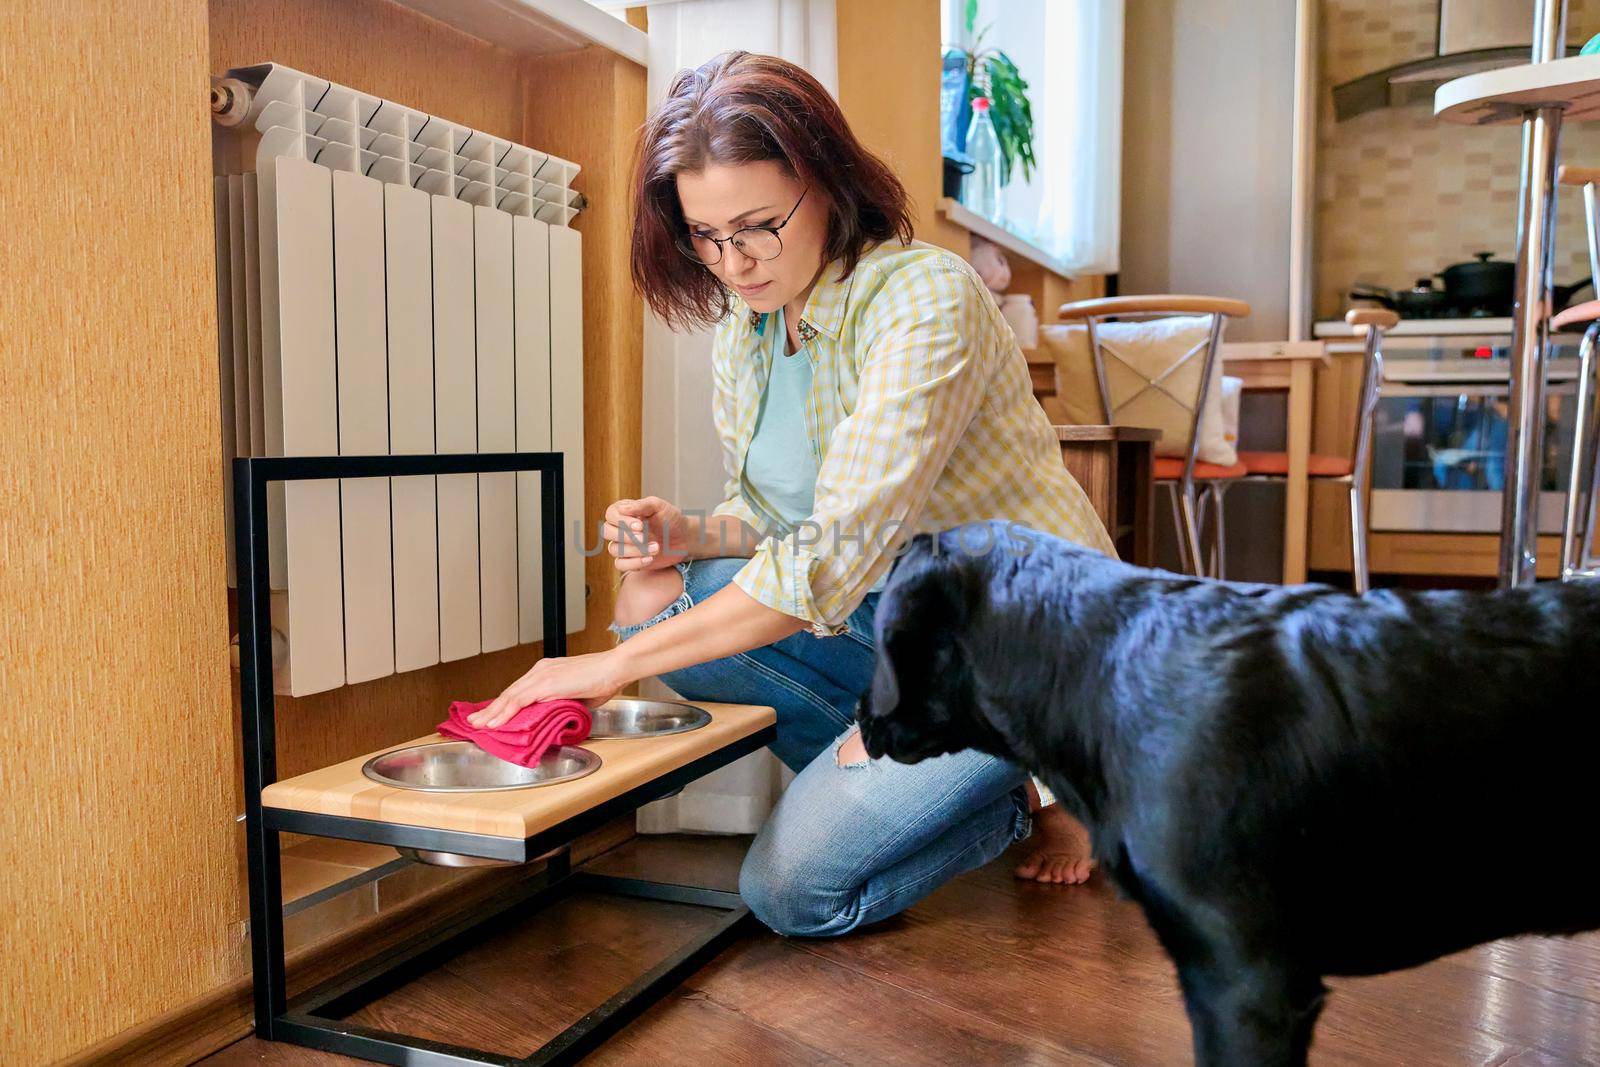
[[1246, 1009], [1260, 1014]]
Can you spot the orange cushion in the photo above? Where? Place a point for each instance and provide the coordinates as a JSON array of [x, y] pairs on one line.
[[1170, 469], [1277, 463]]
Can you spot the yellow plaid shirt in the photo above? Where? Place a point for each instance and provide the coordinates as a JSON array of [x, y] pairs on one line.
[[921, 417]]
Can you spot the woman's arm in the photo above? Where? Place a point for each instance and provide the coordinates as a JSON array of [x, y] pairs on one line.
[[721, 534], [726, 623]]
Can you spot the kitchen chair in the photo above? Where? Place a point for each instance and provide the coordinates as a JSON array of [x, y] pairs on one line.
[[1179, 474], [1354, 471], [1583, 487]]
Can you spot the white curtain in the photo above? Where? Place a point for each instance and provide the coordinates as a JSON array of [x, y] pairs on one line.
[[1070, 54], [1081, 139], [681, 455]]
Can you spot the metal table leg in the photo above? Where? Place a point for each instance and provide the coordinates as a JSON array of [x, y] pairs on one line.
[[1541, 135]]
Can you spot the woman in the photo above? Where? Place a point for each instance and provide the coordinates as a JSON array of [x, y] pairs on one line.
[[866, 389]]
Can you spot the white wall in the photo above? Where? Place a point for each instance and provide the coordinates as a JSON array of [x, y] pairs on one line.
[[1207, 138], [1207, 143]]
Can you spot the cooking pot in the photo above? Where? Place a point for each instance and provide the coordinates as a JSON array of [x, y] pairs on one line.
[[1486, 282], [1490, 284], [1484, 287]]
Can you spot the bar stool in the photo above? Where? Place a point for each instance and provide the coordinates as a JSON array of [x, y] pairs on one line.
[[1578, 559], [1583, 486], [1179, 474], [1354, 471]]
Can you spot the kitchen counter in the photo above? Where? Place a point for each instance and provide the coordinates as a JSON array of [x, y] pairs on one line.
[[1427, 328]]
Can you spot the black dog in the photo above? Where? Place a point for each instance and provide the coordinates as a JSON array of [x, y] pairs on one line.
[[1235, 749]]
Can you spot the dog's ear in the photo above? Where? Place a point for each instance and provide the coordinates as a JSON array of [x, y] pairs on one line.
[[922, 679], [920, 635]]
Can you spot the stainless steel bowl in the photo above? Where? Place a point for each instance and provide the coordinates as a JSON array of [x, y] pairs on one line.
[[456, 859], [451, 859], [463, 767], [637, 717]]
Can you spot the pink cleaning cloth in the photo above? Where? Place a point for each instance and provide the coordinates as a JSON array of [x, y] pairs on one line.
[[526, 736]]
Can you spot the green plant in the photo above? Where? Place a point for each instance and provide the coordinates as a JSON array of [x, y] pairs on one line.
[[991, 73]]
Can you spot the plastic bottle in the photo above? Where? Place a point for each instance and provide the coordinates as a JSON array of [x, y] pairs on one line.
[[1019, 312], [980, 190]]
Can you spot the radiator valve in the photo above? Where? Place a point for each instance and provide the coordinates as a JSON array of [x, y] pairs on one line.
[[230, 101]]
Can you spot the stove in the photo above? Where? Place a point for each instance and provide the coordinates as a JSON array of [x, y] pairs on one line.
[[1468, 349], [1439, 435]]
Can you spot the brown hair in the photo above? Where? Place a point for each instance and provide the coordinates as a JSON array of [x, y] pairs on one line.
[[741, 107]]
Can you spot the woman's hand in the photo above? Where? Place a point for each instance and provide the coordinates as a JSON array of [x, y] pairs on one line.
[[646, 534], [594, 678]]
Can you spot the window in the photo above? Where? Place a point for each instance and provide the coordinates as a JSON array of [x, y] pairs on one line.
[[1070, 54]]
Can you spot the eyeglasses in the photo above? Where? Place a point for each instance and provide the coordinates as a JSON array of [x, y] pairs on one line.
[[757, 242]]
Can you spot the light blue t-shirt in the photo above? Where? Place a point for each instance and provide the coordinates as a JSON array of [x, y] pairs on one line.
[[780, 466]]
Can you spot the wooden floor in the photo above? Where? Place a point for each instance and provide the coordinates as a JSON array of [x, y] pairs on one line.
[[985, 971]]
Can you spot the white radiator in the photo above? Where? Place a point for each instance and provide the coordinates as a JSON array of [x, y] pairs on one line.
[[389, 282]]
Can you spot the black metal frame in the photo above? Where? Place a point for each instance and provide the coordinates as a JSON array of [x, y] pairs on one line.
[[312, 1019]]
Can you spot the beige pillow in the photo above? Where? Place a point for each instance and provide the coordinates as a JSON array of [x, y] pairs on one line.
[[1143, 350], [1232, 388]]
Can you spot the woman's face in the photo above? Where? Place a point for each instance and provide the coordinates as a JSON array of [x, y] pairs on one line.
[[723, 197]]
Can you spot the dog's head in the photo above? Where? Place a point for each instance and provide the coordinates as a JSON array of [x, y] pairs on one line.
[[924, 697]]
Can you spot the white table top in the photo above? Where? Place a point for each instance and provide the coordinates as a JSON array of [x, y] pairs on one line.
[[1501, 96], [1260, 351]]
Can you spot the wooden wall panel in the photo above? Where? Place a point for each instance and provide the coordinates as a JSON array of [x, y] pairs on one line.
[[587, 106], [112, 563], [115, 794], [889, 90], [378, 48]]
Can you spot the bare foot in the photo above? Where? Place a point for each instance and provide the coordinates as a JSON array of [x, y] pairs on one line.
[[1060, 849]]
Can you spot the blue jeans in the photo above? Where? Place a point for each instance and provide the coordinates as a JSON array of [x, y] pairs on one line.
[[851, 845]]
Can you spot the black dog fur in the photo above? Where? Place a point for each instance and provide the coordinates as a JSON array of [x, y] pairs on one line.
[[1292, 782]]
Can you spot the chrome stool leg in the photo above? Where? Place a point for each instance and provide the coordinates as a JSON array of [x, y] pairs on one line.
[[1359, 575], [1191, 529], [1219, 539], [1184, 563], [1577, 532], [1583, 485], [1376, 323]]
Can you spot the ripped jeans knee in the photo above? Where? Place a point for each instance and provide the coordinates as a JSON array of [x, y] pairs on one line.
[[849, 752], [677, 605]]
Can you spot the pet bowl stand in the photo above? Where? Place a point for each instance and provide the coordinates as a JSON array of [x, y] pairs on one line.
[[518, 825]]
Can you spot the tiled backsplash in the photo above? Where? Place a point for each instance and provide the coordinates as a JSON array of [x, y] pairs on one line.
[[1399, 195]]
